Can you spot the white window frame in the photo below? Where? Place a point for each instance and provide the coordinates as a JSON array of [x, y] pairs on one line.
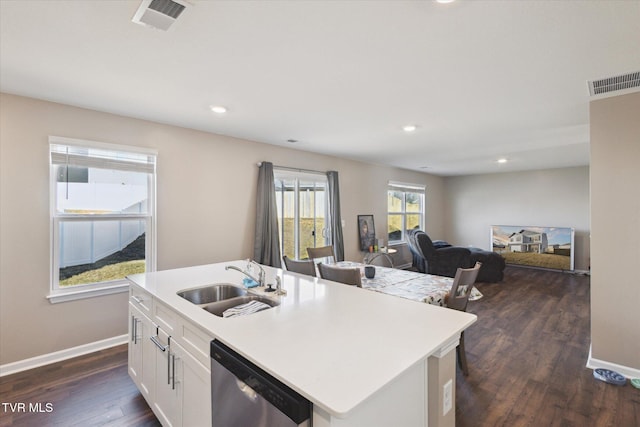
[[406, 188], [59, 294]]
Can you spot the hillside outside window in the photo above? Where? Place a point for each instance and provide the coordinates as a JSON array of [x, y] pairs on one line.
[[102, 215]]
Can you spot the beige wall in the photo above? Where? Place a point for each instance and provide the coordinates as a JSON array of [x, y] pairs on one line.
[[196, 170], [551, 198], [615, 230]]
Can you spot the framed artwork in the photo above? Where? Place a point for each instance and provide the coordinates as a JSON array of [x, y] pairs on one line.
[[366, 232], [543, 247]]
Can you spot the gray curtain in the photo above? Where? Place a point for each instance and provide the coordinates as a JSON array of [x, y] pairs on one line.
[[334, 212], [266, 248]]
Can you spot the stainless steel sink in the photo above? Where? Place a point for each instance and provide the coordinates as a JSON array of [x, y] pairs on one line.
[[222, 296], [220, 307], [212, 293]]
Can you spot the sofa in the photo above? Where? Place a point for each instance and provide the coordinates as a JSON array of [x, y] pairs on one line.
[[442, 259]]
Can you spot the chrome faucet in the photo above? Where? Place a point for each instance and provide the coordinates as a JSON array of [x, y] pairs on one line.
[[247, 272], [279, 290]]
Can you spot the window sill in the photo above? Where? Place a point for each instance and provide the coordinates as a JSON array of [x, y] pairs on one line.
[[65, 296]]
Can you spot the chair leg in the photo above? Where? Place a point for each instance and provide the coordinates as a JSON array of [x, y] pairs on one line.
[[462, 356]]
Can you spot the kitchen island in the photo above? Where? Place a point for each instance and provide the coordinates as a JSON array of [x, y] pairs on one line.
[[362, 358]]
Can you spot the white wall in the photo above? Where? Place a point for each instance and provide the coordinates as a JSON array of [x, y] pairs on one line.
[[214, 176], [553, 197]]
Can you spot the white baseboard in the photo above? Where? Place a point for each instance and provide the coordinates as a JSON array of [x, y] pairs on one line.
[[582, 272], [623, 370], [45, 359]]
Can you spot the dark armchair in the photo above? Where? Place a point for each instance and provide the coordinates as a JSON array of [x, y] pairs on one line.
[[432, 259], [442, 259]]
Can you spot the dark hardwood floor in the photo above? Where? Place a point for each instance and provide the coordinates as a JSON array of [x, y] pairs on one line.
[[527, 355], [88, 390]]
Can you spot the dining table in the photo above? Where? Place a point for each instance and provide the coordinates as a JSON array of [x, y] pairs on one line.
[[413, 285]]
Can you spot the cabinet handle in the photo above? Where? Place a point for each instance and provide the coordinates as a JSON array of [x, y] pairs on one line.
[[132, 328], [168, 360], [158, 343], [137, 299], [135, 330], [173, 368]]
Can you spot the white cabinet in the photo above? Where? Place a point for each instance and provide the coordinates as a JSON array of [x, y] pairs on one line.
[[183, 385], [141, 300], [141, 351], [165, 362], [165, 399], [193, 387]]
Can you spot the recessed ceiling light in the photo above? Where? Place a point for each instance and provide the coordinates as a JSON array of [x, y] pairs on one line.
[[218, 109], [444, 1], [409, 128], [503, 160]]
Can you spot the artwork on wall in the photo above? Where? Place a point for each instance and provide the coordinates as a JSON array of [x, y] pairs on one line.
[[544, 247], [366, 232]]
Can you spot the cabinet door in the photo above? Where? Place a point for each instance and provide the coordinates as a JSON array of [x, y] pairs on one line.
[[193, 384], [166, 401], [141, 351], [135, 346]]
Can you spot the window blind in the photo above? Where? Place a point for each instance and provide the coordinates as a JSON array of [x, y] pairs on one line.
[[406, 187], [96, 157]]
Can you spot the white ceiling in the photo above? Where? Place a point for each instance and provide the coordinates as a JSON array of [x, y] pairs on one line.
[[480, 79]]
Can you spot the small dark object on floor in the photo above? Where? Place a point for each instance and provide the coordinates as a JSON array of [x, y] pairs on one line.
[[608, 376]]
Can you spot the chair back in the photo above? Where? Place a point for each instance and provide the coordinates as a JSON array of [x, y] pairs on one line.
[[425, 245], [348, 276], [461, 288], [303, 267], [418, 260], [322, 252]]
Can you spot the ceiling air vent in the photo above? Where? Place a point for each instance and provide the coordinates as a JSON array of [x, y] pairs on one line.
[[160, 14], [613, 84]]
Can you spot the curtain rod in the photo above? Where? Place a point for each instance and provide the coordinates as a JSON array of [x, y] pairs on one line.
[[295, 169]]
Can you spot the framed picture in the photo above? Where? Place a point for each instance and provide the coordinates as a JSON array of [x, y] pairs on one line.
[[366, 232], [543, 247]]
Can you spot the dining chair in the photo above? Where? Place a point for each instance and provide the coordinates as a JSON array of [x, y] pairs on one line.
[[458, 299], [303, 267], [322, 252], [348, 276]]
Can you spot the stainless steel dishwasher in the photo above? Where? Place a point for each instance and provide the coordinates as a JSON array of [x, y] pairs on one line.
[[244, 395]]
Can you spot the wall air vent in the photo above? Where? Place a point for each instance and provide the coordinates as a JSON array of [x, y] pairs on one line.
[[613, 84], [160, 14]]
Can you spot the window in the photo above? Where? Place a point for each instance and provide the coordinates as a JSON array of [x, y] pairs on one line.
[[405, 207], [302, 211], [102, 216]]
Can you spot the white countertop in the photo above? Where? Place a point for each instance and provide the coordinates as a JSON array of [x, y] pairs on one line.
[[334, 344]]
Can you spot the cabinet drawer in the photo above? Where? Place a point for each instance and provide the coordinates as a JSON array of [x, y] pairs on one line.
[[196, 342], [166, 318], [141, 299]]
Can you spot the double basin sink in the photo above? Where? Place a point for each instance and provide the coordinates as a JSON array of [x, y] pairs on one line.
[[218, 298]]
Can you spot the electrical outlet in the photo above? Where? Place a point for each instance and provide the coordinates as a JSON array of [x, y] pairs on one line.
[[447, 399]]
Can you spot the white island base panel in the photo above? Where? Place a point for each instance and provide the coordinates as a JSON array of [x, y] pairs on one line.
[[415, 398]]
